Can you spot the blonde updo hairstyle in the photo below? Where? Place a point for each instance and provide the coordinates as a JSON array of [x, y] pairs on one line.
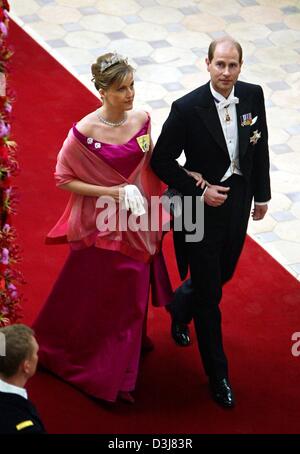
[[108, 69]]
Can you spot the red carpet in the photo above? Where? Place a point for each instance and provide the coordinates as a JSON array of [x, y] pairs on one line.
[[261, 305]]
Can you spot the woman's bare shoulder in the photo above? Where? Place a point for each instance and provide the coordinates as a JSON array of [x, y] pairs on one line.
[[140, 115], [139, 118], [87, 124]]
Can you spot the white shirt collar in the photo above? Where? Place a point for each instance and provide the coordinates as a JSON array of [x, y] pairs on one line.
[[218, 95], [8, 388]]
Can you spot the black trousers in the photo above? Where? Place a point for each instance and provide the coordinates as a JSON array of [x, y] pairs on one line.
[[212, 262]]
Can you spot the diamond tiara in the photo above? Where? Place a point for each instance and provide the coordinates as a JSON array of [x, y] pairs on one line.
[[115, 58]]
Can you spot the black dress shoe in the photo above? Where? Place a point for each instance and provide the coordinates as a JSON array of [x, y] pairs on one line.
[[180, 333], [221, 392]]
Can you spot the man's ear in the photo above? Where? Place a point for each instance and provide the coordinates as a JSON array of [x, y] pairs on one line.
[[207, 63], [25, 365]]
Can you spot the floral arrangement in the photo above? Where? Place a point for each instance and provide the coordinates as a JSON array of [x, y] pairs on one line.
[[10, 299]]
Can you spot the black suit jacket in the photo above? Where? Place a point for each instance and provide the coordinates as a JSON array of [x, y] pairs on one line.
[[18, 415], [193, 126]]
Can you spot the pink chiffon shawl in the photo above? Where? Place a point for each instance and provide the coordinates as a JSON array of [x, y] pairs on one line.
[[78, 222]]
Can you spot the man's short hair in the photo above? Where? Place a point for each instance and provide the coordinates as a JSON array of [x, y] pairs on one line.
[[18, 347], [224, 39]]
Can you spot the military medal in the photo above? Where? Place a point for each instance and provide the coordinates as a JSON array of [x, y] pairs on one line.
[[246, 119]]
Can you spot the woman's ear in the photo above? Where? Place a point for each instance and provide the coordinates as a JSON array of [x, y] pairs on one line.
[[102, 94]]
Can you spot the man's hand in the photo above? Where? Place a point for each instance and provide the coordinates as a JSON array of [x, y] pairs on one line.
[[259, 212], [215, 195]]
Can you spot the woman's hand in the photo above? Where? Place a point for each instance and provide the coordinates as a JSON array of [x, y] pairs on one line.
[[118, 193], [198, 177]]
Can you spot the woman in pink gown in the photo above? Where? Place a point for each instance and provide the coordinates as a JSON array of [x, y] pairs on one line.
[[90, 328]]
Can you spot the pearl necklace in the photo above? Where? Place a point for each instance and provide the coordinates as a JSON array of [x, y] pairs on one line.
[[111, 123]]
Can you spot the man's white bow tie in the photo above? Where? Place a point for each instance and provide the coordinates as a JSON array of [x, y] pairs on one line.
[[227, 102]]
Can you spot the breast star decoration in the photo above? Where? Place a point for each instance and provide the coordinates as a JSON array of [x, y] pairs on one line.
[[255, 137]]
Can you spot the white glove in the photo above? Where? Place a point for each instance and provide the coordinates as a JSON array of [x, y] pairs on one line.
[[134, 200]]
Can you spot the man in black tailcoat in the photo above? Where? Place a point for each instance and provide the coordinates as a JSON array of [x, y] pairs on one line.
[[221, 127]]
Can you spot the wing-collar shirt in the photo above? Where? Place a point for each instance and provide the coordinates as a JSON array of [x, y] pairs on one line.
[[226, 108], [228, 118]]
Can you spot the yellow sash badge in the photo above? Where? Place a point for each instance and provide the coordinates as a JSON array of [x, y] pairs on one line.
[[144, 142]]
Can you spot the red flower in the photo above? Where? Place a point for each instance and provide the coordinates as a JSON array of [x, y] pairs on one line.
[[10, 278], [3, 152], [2, 283], [2, 268], [6, 183], [2, 103]]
